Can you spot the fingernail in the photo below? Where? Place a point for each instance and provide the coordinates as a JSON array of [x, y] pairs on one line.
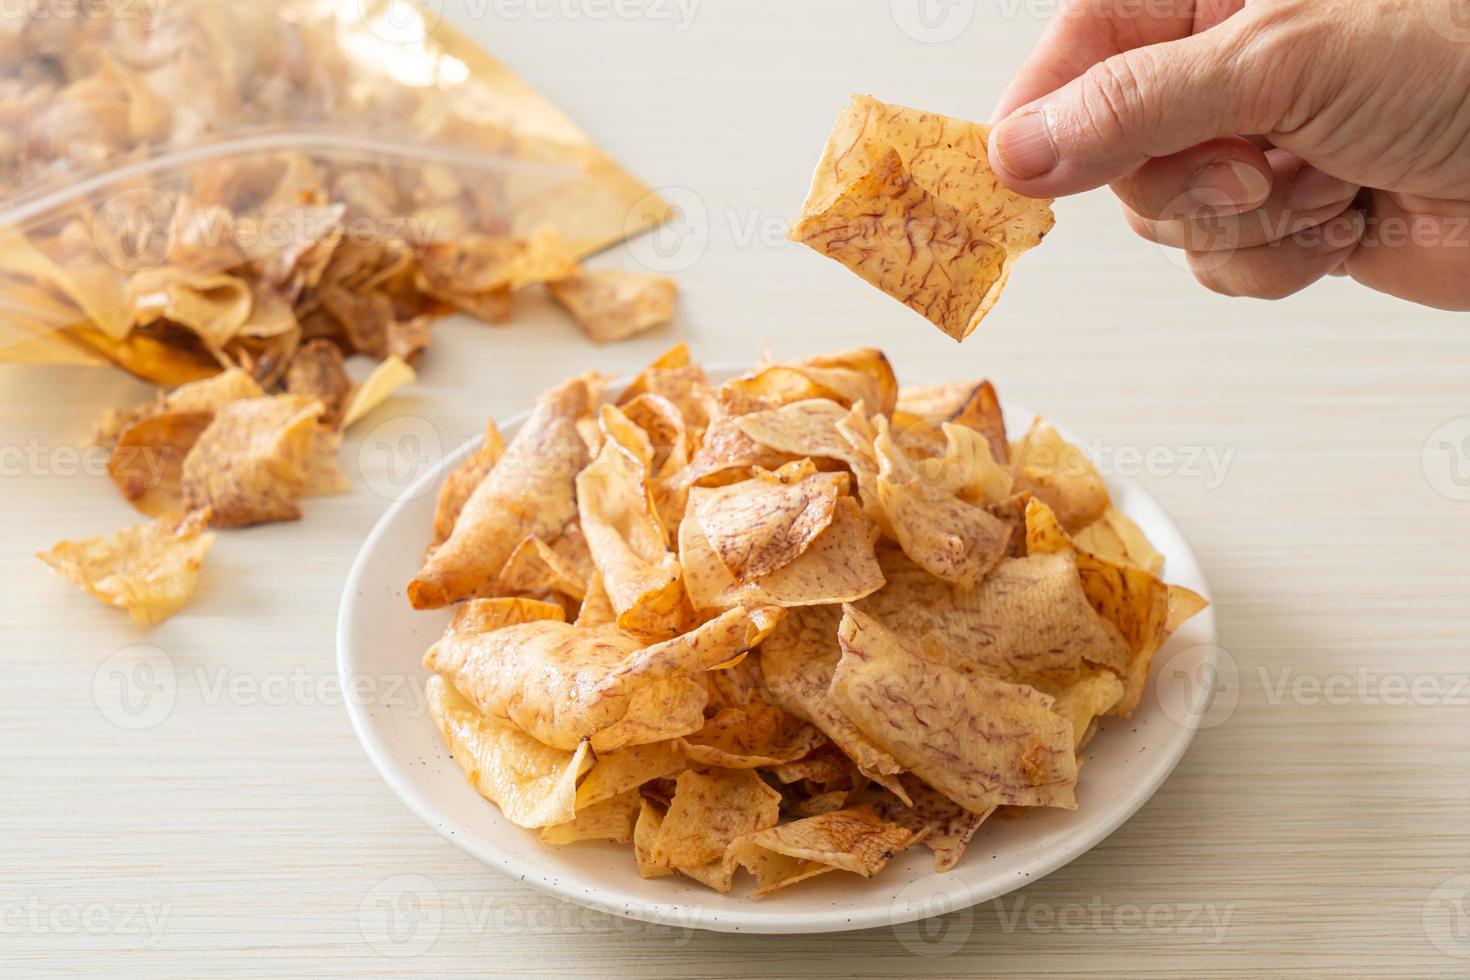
[[1312, 188], [1226, 186], [1024, 144], [1344, 230]]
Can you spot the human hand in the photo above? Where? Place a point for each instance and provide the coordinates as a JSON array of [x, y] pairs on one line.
[[1276, 141]]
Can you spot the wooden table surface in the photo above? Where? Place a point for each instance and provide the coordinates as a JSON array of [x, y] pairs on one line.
[[218, 815]]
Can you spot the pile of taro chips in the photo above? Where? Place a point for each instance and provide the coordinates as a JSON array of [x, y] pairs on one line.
[[201, 185], [784, 626]]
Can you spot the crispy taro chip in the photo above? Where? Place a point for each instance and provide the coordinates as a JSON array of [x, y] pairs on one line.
[[627, 539], [708, 812], [214, 306], [617, 772], [1115, 537], [596, 608], [212, 394], [726, 455], [458, 486], [534, 785], [667, 429], [316, 371], [763, 524], [488, 615], [530, 491], [855, 840], [675, 377], [839, 566], [822, 428], [1028, 621], [476, 274], [148, 569], [826, 767], [752, 736], [388, 376], [740, 684], [147, 462], [611, 304], [1144, 609], [469, 265], [980, 741], [935, 259], [536, 567], [798, 661], [252, 464], [969, 403], [952, 539], [645, 833], [969, 466], [1085, 701], [612, 819], [860, 375], [944, 825], [150, 442], [948, 157], [645, 836], [563, 683], [1060, 474], [946, 181]]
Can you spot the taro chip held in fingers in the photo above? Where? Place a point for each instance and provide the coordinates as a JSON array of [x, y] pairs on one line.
[[907, 200]]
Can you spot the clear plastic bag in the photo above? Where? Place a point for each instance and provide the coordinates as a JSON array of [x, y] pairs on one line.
[[201, 183]]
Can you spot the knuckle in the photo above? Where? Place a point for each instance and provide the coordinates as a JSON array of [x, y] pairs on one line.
[[1112, 96], [1276, 45]]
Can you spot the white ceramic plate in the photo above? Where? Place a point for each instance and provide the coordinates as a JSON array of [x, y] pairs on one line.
[[380, 641]]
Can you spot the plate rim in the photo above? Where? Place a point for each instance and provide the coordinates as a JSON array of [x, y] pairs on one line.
[[748, 919]]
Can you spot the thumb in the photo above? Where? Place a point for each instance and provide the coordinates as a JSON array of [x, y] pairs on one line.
[[1148, 102]]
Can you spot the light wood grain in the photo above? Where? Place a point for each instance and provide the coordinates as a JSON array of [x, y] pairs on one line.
[[1312, 830]]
